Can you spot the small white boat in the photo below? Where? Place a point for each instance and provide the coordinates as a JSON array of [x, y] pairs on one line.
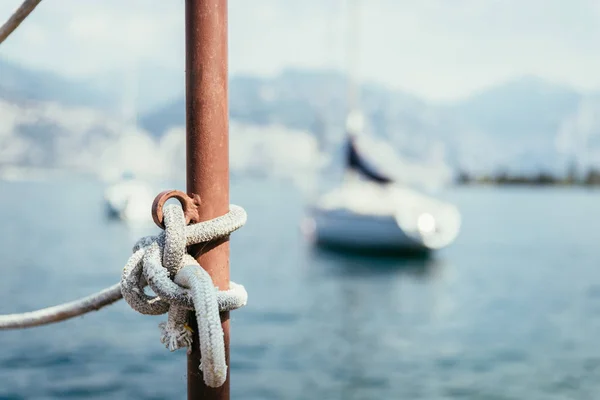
[[364, 215], [129, 200], [371, 211]]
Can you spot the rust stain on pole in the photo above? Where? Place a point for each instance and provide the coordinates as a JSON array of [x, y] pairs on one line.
[[207, 141]]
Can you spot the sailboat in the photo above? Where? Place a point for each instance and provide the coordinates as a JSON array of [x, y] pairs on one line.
[[370, 210], [129, 200]]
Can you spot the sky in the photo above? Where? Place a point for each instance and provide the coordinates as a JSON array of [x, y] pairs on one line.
[[440, 50]]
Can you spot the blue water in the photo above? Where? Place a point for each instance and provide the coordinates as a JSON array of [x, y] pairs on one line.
[[510, 311]]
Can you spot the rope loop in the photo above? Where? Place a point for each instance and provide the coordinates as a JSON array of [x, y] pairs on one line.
[[180, 284]]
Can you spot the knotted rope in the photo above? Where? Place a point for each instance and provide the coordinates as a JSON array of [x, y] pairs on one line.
[[161, 262], [180, 285]]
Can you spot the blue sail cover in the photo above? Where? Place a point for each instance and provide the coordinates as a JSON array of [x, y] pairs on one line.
[[355, 162]]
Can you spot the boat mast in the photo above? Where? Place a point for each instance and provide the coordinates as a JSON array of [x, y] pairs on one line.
[[354, 119], [352, 53]]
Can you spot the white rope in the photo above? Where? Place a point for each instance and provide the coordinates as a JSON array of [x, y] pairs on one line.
[[18, 16], [180, 285], [62, 312]]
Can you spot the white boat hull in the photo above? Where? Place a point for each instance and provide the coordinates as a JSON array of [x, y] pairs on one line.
[[370, 217], [345, 229]]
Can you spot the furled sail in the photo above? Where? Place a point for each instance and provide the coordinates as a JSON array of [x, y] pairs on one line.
[[356, 163]]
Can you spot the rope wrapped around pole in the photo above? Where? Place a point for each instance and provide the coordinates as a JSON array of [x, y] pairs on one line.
[[182, 284], [179, 282]]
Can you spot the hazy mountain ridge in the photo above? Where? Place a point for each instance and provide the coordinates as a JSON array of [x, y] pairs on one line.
[[513, 126], [526, 125], [20, 85]]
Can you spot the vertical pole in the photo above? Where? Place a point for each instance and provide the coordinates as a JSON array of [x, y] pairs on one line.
[[207, 152]]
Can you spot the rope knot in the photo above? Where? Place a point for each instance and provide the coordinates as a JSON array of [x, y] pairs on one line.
[[181, 285]]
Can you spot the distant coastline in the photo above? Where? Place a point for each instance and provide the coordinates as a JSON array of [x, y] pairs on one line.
[[591, 178]]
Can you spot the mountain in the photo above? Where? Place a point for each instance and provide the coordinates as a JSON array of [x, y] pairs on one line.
[[288, 99], [524, 106], [18, 84], [45, 129], [512, 126], [525, 125], [139, 90], [297, 99], [520, 120]]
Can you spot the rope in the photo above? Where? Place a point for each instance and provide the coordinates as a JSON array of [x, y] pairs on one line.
[[182, 285], [15, 20], [179, 282], [162, 263], [62, 312]]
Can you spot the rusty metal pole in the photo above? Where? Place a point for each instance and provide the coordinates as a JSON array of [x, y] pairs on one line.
[[207, 150]]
